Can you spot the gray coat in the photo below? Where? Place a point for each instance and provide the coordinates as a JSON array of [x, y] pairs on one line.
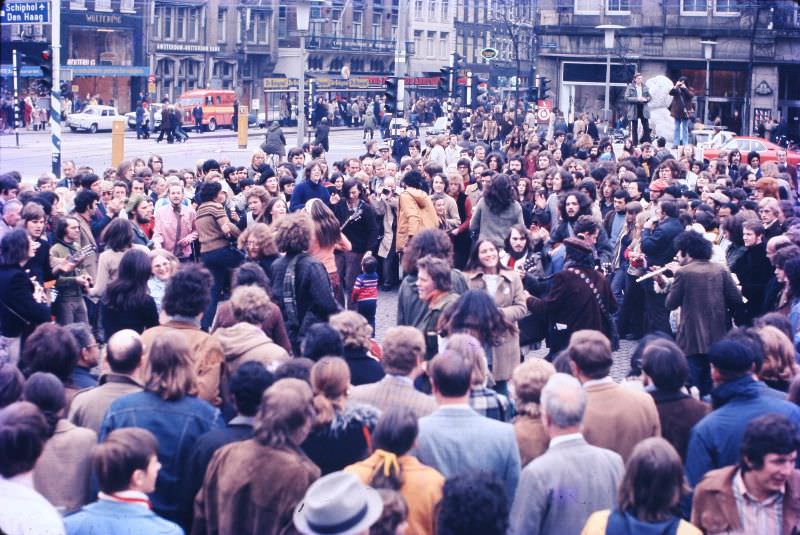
[[275, 142], [457, 440], [559, 490], [495, 227], [630, 98]]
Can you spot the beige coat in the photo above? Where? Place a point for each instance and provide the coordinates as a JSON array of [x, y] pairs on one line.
[[387, 209], [510, 299], [619, 417], [415, 214]]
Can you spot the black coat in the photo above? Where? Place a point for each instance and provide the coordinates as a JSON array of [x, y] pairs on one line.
[[754, 271], [363, 368], [19, 313], [362, 230], [312, 291], [137, 318], [657, 243]]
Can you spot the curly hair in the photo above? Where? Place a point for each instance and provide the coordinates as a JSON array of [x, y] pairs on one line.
[[529, 379], [263, 234], [293, 233], [353, 328], [500, 194], [473, 503], [250, 304], [188, 291], [584, 202], [434, 242]]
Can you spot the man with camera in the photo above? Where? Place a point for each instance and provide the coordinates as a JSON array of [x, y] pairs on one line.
[[681, 110], [637, 96]]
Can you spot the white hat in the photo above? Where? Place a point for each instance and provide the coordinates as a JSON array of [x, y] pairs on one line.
[[337, 504]]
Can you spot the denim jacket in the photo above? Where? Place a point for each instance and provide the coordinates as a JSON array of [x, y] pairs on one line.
[[176, 425]]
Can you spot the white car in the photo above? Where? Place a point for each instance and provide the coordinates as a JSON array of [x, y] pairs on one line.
[[92, 118], [131, 117]]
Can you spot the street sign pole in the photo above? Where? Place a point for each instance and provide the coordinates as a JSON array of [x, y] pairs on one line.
[[17, 114], [55, 90]]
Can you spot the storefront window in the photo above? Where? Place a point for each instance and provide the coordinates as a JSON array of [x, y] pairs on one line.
[[107, 47]]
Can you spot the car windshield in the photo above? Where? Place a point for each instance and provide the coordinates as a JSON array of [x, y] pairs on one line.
[[90, 111]]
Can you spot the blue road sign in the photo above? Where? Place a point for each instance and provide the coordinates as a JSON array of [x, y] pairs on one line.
[[25, 13]]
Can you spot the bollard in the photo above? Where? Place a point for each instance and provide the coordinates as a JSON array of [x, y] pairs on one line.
[[118, 141], [242, 119]]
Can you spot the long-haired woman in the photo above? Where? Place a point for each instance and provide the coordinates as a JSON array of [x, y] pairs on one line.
[[649, 495], [497, 210], [258, 243], [126, 303], [391, 467], [326, 239]]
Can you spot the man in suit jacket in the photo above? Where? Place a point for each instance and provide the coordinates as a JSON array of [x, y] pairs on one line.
[[403, 348], [559, 490], [638, 96], [617, 417], [455, 439]]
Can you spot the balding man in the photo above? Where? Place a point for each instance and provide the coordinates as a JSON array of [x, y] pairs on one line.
[[560, 489], [403, 349], [124, 357]]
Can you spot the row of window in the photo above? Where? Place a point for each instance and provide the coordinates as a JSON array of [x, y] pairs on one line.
[[184, 24], [688, 7], [426, 44], [436, 10], [103, 5]]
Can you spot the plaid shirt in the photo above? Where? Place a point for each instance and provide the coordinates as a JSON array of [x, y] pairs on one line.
[[762, 517], [489, 403]]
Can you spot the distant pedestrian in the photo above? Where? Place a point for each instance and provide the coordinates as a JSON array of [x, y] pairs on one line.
[[197, 113], [321, 134]]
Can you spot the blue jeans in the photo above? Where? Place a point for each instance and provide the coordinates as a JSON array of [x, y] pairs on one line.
[[681, 135], [618, 287], [220, 262]]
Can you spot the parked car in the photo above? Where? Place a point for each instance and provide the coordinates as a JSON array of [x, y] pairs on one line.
[[131, 117], [702, 138], [93, 119], [767, 150]]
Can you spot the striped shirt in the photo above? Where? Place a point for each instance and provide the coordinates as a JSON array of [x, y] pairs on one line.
[[365, 287], [763, 517]]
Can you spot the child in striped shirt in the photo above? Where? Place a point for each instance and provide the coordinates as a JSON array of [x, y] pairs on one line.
[[365, 290]]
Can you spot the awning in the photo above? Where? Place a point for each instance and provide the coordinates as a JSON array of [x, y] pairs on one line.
[[106, 70]]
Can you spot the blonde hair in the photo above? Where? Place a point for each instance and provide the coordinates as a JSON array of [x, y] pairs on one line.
[[779, 355], [353, 328], [528, 381], [250, 304], [330, 379]]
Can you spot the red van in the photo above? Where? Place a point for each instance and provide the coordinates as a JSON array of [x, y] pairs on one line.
[[217, 107]]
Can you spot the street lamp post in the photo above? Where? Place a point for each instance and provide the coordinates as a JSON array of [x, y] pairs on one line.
[[303, 18], [608, 34], [708, 53]]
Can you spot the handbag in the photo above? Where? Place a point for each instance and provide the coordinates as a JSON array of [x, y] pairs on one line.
[[608, 321]]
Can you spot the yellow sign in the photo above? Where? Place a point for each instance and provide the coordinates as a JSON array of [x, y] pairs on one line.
[[151, 87], [276, 83]]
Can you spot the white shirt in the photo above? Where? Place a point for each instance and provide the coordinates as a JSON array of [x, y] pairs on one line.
[[639, 91], [23, 511], [555, 441]]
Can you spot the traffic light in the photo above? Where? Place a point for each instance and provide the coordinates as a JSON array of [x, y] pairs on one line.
[[544, 88], [443, 86], [39, 55], [390, 95]]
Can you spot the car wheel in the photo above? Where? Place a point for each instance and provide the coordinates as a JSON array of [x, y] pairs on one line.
[[212, 125], [73, 128], [93, 128]]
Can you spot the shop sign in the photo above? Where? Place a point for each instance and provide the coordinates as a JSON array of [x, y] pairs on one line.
[[489, 53], [79, 61], [181, 47]]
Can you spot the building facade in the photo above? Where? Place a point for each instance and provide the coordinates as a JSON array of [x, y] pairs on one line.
[[750, 49]]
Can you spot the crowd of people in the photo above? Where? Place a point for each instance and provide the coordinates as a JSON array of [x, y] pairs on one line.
[[197, 350]]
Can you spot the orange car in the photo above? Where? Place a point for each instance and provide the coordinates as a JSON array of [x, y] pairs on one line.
[[767, 150]]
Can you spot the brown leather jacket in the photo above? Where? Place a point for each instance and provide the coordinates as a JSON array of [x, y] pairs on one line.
[[714, 507]]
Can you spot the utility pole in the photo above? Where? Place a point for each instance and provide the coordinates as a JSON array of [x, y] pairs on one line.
[[55, 89], [17, 114], [401, 53]]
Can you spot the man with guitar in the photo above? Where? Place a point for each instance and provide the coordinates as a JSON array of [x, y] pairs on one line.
[[67, 260]]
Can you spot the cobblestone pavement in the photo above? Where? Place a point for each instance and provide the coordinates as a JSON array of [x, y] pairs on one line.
[[387, 315]]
